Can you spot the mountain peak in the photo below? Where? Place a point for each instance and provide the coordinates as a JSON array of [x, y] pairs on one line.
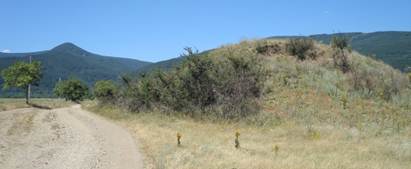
[[66, 45], [69, 47]]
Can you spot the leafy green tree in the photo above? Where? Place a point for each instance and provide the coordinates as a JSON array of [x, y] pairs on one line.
[[105, 90], [72, 89], [21, 75]]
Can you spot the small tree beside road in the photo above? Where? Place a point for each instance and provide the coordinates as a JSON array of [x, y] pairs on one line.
[[22, 75]]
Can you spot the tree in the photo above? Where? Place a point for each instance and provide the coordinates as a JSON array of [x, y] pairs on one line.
[[105, 90], [71, 89], [21, 75]]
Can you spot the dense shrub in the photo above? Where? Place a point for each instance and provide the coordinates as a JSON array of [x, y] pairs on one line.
[[393, 85], [105, 91], [71, 89], [301, 48], [242, 83], [227, 87], [372, 79], [268, 49], [368, 82], [340, 48], [198, 81], [339, 42]]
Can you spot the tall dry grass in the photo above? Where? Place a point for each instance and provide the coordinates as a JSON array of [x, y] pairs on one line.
[[210, 144]]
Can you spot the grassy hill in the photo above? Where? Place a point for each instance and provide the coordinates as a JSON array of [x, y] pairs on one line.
[[393, 47], [312, 114], [68, 60]]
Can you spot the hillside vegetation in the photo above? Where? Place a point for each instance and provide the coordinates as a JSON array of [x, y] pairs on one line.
[[295, 104], [392, 47], [295, 77]]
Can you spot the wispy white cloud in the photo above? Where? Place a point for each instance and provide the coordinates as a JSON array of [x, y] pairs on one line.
[[6, 51], [326, 12]]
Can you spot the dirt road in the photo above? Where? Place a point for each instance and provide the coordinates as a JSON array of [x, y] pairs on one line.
[[67, 138]]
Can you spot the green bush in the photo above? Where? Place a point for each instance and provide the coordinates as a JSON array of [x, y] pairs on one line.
[[202, 85], [142, 94], [339, 42], [268, 49], [71, 89], [105, 91], [301, 48], [241, 85], [340, 47]]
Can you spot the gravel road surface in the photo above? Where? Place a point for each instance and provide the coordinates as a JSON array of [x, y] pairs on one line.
[[66, 138]]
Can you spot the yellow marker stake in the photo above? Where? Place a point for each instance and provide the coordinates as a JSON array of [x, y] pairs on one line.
[[178, 139], [236, 141], [276, 148]]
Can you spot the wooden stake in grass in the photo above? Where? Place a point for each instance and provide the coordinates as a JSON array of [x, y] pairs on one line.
[[236, 141], [275, 149], [178, 139]]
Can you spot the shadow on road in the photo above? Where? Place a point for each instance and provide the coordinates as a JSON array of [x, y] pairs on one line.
[[39, 106]]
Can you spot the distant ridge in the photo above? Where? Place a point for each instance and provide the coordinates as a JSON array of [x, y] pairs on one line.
[[67, 60]]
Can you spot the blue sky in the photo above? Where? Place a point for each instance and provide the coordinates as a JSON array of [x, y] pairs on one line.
[[155, 30]]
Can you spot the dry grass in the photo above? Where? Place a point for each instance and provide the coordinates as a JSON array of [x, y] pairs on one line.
[[10, 104], [211, 144]]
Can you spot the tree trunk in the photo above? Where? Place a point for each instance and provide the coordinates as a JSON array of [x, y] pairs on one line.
[[28, 94]]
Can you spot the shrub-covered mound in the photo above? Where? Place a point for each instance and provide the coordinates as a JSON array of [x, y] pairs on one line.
[[268, 81]]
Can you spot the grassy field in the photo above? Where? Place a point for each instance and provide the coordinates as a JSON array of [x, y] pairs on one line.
[[207, 144], [9, 104]]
